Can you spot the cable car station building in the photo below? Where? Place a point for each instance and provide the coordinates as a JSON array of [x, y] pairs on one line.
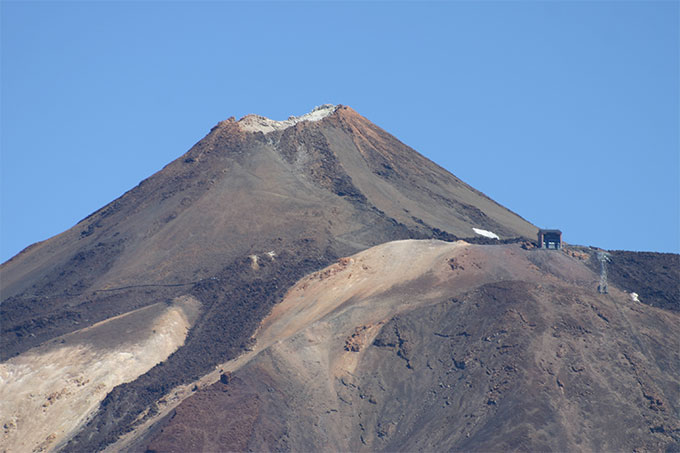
[[550, 239]]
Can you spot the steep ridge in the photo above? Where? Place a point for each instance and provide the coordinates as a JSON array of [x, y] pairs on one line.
[[233, 223], [427, 345]]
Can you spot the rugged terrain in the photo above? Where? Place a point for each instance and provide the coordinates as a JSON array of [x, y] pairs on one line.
[[421, 343], [428, 345]]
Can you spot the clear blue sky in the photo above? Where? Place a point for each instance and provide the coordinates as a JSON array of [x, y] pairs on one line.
[[567, 113]]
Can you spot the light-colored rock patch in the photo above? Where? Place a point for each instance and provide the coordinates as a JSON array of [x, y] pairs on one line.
[[47, 392], [257, 123]]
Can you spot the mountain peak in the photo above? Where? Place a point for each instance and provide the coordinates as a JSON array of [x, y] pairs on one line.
[[330, 227], [257, 123]]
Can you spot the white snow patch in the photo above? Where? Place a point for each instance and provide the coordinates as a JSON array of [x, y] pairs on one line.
[[257, 123], [486, 233], [635, 297]]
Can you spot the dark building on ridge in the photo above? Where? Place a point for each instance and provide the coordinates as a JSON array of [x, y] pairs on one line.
[[550, 239]]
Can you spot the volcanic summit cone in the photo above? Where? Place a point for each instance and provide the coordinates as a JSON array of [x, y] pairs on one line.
[[206, 309]]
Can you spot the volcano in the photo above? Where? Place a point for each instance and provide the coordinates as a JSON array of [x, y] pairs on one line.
[[315, 284]]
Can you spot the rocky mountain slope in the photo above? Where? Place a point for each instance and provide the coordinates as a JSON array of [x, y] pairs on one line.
[[336, 185], [218, 257], [429, 346]]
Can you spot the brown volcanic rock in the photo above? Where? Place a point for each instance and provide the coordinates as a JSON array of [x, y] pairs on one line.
[[517, 351], [407, 183], [228, 414], [234, 222], [233, 194], [258, 205]]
